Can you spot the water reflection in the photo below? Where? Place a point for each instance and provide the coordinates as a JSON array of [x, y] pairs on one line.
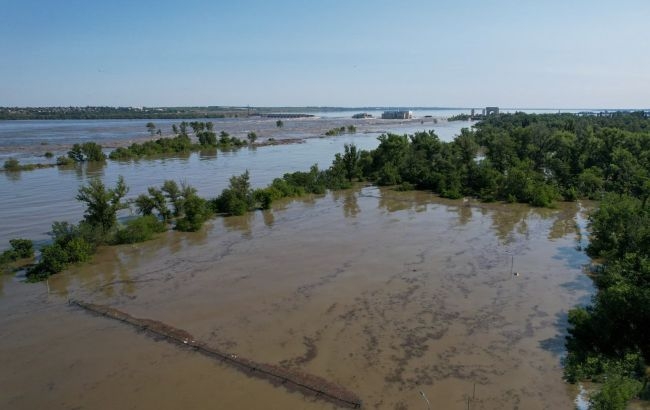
[[350, 204], [13, 176], [506, 218], [59, 284], [464, 213], [555, 344], [241, 223], [269, 218], [191, 239], [208, 154], [95, 169], [392, 203], [565, 223]]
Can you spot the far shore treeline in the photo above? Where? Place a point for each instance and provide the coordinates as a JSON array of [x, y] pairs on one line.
[[121, 113], [528, 158]]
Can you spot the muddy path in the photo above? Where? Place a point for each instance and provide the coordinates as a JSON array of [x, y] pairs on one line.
[[385, 293]]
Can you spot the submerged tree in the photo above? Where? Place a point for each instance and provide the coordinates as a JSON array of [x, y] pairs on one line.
[[151, 127]]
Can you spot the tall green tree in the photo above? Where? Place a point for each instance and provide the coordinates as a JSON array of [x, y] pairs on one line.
[[102, 204]]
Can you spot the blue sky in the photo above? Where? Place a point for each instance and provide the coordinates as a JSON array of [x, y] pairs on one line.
[[535, 54]]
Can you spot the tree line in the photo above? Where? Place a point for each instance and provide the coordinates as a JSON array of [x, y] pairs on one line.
[[102, 113]]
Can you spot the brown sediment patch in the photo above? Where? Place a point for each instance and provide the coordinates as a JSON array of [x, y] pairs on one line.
[[306, 383]]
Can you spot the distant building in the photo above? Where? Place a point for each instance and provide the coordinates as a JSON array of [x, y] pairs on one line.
[[397, 115], [362, 115]]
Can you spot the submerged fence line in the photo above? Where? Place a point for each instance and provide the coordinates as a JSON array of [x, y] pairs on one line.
[[307, 384]]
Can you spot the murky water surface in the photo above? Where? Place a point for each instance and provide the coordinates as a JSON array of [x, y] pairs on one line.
[[32, 200], [385, 293]]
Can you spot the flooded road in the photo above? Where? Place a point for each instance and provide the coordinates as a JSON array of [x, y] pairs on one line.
[[385, 293]]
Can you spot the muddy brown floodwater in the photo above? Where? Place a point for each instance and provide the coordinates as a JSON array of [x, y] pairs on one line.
[[385, 293]]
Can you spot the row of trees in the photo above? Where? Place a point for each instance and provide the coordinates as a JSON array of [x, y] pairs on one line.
[[171, 205], [534, 159], [350, 129], [92, 113], [608, 340], [182, 142]]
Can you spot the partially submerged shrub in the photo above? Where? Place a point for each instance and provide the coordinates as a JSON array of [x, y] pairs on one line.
[[140, 229]]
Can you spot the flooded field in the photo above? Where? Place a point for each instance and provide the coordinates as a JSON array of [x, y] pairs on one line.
[[388, 294]]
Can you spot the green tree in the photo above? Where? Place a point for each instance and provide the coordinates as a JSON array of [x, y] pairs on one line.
[[173, 193], [151, 127], [102, 204], [279, 124], [348, 163], [238, 198], [88, 151]]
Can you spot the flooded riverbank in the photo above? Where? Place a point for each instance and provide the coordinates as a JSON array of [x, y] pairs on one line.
[[32, 200], [28, 141], [385, 293]]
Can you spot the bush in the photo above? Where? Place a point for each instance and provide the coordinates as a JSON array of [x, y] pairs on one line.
[[24, 248], [88, 151], [230, 203], [48, 154], [8, 256], [197, 212], [20, 248], [12, 164], [405, 186], [615, 393], [237, 199], [263, 197], [542, 195], [79, 250], [64, 161], [139, 230], [54, 259], [72, 244]]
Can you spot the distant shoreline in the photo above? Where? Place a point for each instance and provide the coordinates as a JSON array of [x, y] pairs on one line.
[[216, 112]]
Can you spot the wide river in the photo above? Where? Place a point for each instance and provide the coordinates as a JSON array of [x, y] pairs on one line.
[[31, 200], [392, 295]]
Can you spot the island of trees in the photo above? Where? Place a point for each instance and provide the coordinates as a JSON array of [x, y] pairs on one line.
[[535, 159]]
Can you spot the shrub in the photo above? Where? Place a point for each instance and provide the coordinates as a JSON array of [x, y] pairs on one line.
[[140, 229], [48, 154], [263, 197], [197, 212], [237, 199], [615, 393], [405, 186], [54, 259], [12, 164], [24, 248], [8, 256], [230, 203], [72, 244], [88, 151], [64, 161]]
